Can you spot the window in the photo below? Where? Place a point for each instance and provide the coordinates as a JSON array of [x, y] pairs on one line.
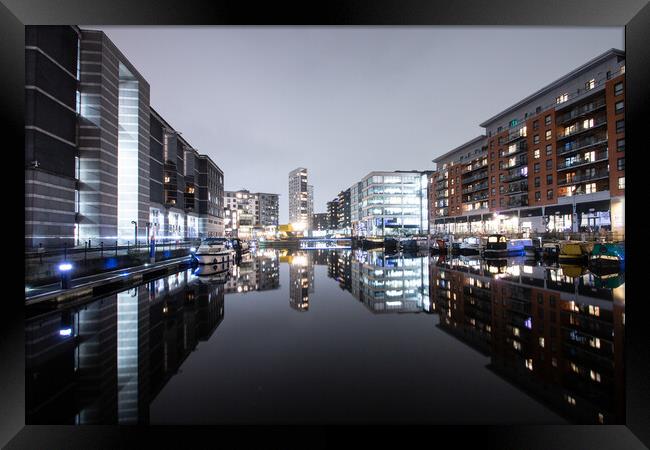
[[513, 123], [548, 134], [621, 182], [590, 84], [620, 126], [493, 191], [500, 140], [538, 110], [501, 189], [491, 167], [618, 88], [537, 183], [549, 179], [547, 120], [620, 163], [536, 153], [538, 196], [536, 139], [562, 98], [609, 74], [494, 203], [619, 107], [536, 125], [549, 164], [501, 177], [590, 188], [536, 168], [549, 194], [620, 145], [549, 150], [492, 180], [500, 165], [499, 129]]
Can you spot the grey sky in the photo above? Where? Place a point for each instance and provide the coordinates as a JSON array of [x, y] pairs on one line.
[[342, 101]]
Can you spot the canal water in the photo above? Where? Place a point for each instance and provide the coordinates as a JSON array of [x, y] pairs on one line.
[[337, 336]]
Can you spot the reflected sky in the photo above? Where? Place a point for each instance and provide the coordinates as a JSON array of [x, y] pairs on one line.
[[337, 336]]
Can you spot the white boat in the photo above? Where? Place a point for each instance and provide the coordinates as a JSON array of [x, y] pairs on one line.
[[470, 245], [214, 251], [518, 246]]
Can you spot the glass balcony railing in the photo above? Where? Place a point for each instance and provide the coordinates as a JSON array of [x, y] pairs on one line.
[[581, 144], [580, 128], [475, 176], [582, 110], [581, 161], [515, 202], [579, 178], [475, 187]]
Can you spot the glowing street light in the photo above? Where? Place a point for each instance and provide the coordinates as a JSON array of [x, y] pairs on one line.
[[64, 269]]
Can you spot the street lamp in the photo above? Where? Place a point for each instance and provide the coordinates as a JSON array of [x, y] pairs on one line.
[[64, 270], [135, 232]]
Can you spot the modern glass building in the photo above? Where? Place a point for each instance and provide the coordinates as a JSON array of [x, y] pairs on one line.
[[390, 204]]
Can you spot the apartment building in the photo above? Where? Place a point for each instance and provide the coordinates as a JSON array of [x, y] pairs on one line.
[[554, 161], [245, 212], [300, 205]]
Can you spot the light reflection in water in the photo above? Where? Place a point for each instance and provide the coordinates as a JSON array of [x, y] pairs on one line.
[[555, 332]]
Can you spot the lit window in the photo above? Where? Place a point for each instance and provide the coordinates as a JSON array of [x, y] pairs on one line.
[[621, 182], [562, 98], [570, 400], [548, 134], [536, 154], [167, 179], [590, 84], [619, 107], [529, 364], [541, 342]]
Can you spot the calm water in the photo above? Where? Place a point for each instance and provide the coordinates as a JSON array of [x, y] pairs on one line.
[[337, 336]]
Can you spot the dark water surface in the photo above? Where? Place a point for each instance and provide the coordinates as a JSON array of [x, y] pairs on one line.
[[337, 336]]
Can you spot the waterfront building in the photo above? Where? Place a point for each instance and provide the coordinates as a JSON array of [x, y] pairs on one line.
[[320, 222], [299, 200], [343, 221], [51, 151], [555, 160], [247, 214], [390, 204], [301, 280], [100, 164], [310, 205], [333, 214]]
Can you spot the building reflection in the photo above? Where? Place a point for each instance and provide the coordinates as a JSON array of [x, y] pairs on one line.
[[555, 332], [390, 283], [255, 272], [103, 362], [301, 279]]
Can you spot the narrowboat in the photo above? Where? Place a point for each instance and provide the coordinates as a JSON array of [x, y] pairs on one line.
[[607, 257], [210, 274], [214, 251], [551, 251], [574, 251], [498, 246]]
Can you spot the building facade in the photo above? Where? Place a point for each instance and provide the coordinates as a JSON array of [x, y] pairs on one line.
[[299, 202], [101, 164], [320, 222], [51, 150], [390, 204], [555, 161], [248, 213]]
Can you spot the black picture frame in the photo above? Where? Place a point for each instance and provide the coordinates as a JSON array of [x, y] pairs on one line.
[[633, 14]]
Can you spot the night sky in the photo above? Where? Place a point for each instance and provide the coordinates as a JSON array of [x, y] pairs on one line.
[[342, 101]]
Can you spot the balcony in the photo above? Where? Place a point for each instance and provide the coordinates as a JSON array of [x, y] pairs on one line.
[[517, 188], [476, 176], [580, 128], [518, 175], [520, 133], [519, 147], [516, 202], [475, 167], [580, 178], [581, 161], [475, 187], [581, 144], [581, 111], [522, 161], [474, 198]]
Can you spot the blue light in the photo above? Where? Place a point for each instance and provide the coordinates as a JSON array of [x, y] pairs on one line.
[[528, 323], [65, 332], [64, 267], [192, 249]]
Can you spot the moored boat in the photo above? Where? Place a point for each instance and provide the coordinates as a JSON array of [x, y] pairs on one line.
[[551, 251], [499, 246], [470, 246], [607, 257], [574, 251], [214, 251]]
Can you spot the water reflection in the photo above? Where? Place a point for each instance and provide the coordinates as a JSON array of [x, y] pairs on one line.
[[554, 332]]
